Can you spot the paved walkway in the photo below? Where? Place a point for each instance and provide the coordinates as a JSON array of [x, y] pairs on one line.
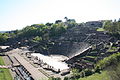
[[3, 66], [35, 73]]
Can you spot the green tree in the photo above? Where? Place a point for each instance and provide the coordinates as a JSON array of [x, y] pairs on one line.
[[112, 27], [37, 39], [3, 37]]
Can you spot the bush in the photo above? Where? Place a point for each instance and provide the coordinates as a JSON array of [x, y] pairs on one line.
[[97, 69], [75, 73], [66, 78], [111, 60], [88, 72], [52, 78]]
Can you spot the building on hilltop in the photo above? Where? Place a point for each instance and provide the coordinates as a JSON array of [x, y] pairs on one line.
[[94, 24]]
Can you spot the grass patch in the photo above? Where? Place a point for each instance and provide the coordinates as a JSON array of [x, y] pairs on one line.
[[91, 56], [100, 29], [87, 61], [112, 49], [114, 71], [1, 61], [97, 76], [4, 73]]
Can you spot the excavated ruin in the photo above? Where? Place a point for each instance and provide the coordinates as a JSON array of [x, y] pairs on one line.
[[82, 45]]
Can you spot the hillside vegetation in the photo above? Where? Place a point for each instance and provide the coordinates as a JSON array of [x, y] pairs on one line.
[[110, 69]]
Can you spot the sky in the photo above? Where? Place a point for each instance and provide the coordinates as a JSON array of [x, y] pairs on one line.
[[16, 14]]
